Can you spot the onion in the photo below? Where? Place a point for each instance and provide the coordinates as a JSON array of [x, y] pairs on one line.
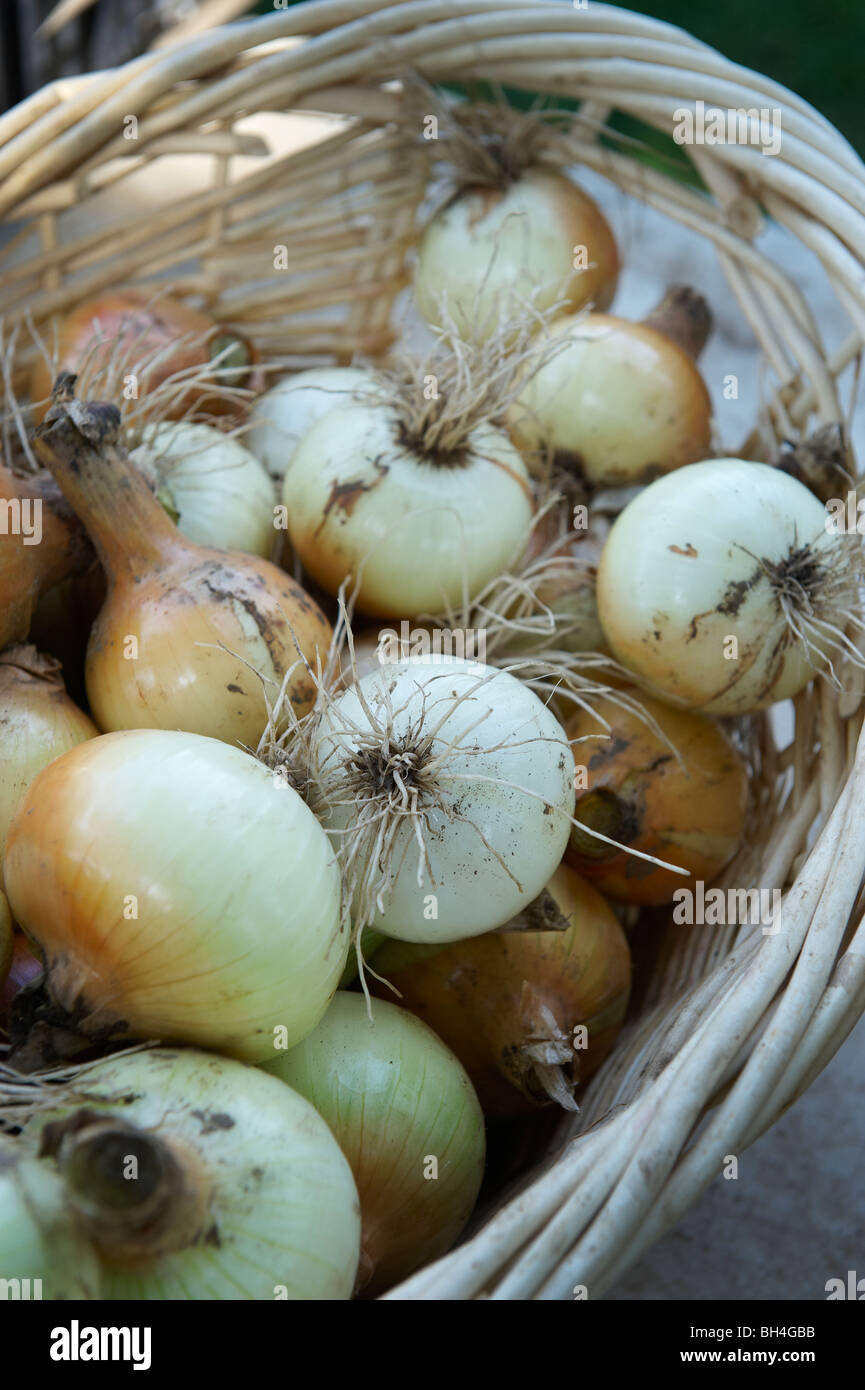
[[449, 787], [281, 416], [536, 236], [184, 628], [38, 722], [40, 545], [406, 1117], [156, 337], [420, 498], [219, 491], [681, 798], [241, 1190], [720, 586], [177, 890], [40, 1237], [509, 1003], [620, 402]]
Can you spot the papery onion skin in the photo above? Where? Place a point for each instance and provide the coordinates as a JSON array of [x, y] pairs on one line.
[[680, 574], [282, 1217], [40, 1238], [689, 812], [511, 775], [416, 534], [618, 406], [161, 331], [281, 416], [38, 722], [221, 492], [186, 631], [395, 1098], [488, 243], [177, 890], [484, 997], [29, 569]]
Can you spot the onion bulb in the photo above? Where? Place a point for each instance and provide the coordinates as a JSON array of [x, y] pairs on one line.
[[186, 631], [218, 490], [38, 722], [281, 416], [536, 236], [41, 544], [156, 337], [720, 586], [41, 1240], [418, 499], [240, 1189], [621, 402], [512, 1004], [682, 800], [448, 787], [177, 890], [406, 1117]]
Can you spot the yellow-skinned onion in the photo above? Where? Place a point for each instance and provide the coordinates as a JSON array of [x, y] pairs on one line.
[[510, 1003], [406, 1117], [686, 807], [158, 338], [177, 890], [186, 631], [38, 722]]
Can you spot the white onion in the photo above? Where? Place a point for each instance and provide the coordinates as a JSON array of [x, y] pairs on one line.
[[281, 416], [220, 491], [720, 586], [419, 532], [461, 757]]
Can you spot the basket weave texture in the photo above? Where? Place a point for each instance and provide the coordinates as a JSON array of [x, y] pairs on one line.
[[734, 1023]]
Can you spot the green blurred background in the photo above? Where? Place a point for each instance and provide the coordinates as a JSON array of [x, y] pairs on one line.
[[815, 47]]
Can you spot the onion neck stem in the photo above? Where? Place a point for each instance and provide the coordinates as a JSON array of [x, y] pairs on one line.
[[78, 443], [136, 1194], [684, 317]]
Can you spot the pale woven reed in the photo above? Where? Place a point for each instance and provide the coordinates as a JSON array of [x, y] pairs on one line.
[[735, 1024]]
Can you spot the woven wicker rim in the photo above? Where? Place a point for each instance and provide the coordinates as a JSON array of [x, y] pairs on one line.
[[736, 1023]]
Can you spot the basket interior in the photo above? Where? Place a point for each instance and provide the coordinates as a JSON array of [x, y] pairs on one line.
[[182, 169]]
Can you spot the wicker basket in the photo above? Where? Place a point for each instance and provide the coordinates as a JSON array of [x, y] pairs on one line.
[[734, 1023]]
